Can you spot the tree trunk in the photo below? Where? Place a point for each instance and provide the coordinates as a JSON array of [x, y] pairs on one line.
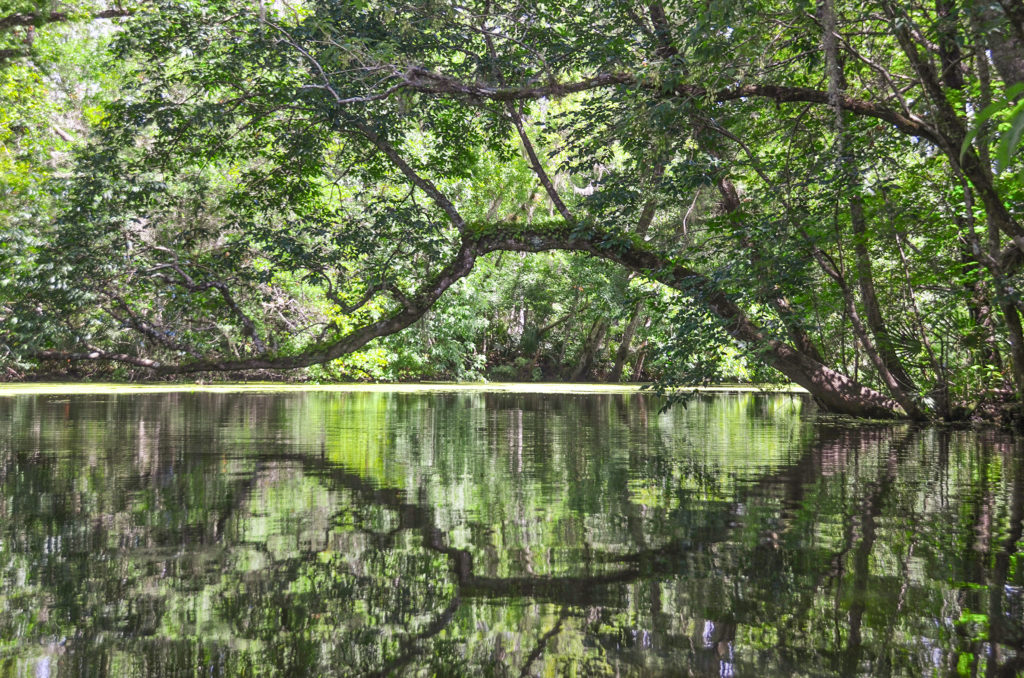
[[794, 328], [979, 306], [1016, 335], [643, 224], [1005, 44], [872, 310], [951, 127], [638, 365], [980, 310], [627, 338], [883, 359], [590, 349], [860, 332]]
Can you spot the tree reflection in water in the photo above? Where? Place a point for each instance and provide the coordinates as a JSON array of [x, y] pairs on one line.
[[401, 534]]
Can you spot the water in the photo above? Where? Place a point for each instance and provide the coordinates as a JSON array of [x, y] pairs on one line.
[[322, 534]]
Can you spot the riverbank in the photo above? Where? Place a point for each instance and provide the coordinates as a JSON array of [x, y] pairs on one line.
[[71, 388]]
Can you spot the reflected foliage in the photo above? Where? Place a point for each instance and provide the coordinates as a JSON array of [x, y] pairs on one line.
[[500, 534]]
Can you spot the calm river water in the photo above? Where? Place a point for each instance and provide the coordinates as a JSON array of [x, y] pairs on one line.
[[332, 533]]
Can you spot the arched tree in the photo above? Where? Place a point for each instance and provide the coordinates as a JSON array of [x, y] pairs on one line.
[[285, 183]]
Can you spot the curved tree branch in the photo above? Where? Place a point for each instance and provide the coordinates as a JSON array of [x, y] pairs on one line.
[[832, 389], [423, 184], [412, 310]]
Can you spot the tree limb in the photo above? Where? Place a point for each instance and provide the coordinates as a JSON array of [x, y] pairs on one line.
[[430, 82], [96, 354], [516, 116], [835, 390], [423, 184]]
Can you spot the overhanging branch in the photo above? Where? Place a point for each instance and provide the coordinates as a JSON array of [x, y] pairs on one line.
[[835, 390], [429, 82], [413, 308]]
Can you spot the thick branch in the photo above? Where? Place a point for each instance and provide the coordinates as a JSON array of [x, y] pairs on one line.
[[412, 310], [913, 126], [836, 391], [436, 83], [952, 130], [949, 139]]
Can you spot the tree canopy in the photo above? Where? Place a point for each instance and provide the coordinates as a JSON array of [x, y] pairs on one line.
[[830, 189]]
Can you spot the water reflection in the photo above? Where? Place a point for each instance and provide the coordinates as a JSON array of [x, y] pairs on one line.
[[498, 534]]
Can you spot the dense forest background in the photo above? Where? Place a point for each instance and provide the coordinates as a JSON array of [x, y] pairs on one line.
[[684, 191]]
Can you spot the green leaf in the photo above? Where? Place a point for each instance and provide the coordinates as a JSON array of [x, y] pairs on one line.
[[1009, 141], [979, 122], [986, 114], [1014, 91]]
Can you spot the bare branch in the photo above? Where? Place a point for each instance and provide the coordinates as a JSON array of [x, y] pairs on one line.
[[423, 184], [516, 116], [96, 354], [186, 281]]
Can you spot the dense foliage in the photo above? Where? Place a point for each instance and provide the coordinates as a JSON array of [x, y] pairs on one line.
[[721, 190]]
